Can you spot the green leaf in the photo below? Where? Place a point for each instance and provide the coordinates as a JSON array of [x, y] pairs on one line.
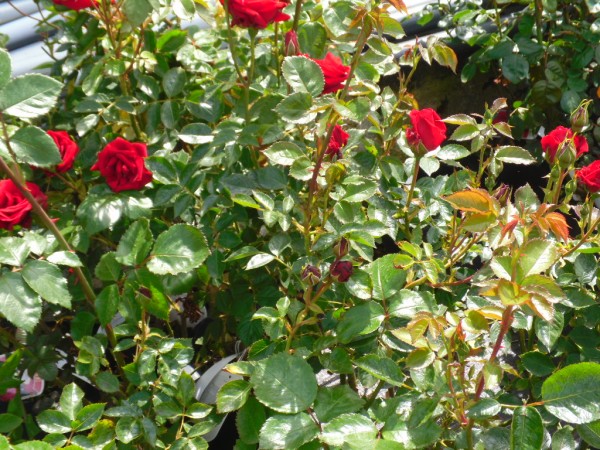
[[359, 190], [107, 382], [52, 421], [5, 67], [233, 395], [452, 152], [262, 259], [397, 429], [573, 393], [303, 75], [283, 153], [108, 269], [13, 251], [538, 364], [515, 68], [563, 439], [127, 429], [65, 258], [514, 155], [387, 279], [548, 332], [196, 133], [353, 429], [8, 421], [34, 146], [287, 432], [537, 256], [29, 96], [18, 303], [527, 429], [107, 303], [484, 409], [88, 416], [359, 320], [295, 108], [71, 401], [249, 420], [285, 383], [136, 11], [34, 445], [332, 402], [590, 433], [135, 243], [174, 81], [48, 281], [382, 368], [179, 249]]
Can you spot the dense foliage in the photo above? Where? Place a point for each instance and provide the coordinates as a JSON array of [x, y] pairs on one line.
[[247, 187]]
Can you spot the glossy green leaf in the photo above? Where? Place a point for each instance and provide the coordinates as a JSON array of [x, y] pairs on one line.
[[137, 11], [71, 401], [233, 395], [573, 393], [287, 432], [13, 251], [484, 409], [514, 155], [285, 383], [359, 320], [88, 416], [515, 68], [381, 367], [196, 133], [135, 244], [537, 256], [386, 277], [249, 420], [34, 146], [18, 302], [65, 258], [48, 281], [29, 96], [354, 429], [179, 249], [527, 429], [333, 401], [296, 108], [538, 364], [303, 75], [590, 433]]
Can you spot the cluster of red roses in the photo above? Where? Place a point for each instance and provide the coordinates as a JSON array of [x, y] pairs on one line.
[[563, 144], [121, 163]]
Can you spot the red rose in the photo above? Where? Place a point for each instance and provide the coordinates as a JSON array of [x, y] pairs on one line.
[[14, 207], [334, 71], [256, 13], [75, 4], [67, 147], [589, 176], [122, 164], [339, 139], [341, 271], [427, 128], [553, 141]]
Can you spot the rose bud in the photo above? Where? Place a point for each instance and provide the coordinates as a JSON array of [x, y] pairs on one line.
[[311, 275], [502, 194], [580, 118], [341, 248], [339, 139], [292, 46], [256, 13], [341, 271]]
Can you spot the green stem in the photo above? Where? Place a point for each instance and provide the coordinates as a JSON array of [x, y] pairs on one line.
[[231, 42], [297, 13], [409, 198], [558, 186]]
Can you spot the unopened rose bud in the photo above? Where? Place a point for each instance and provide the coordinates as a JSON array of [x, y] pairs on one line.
[[502, 194], [566, 154], [292, 46], [311, 275], [341, 271], [341, 248], [580, 118]]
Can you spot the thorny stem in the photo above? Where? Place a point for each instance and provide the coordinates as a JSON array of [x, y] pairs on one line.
[[322, 148], [558, 186], [297, 13], [409, 198]]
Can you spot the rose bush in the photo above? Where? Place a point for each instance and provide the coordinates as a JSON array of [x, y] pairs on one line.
[[398, 294]]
